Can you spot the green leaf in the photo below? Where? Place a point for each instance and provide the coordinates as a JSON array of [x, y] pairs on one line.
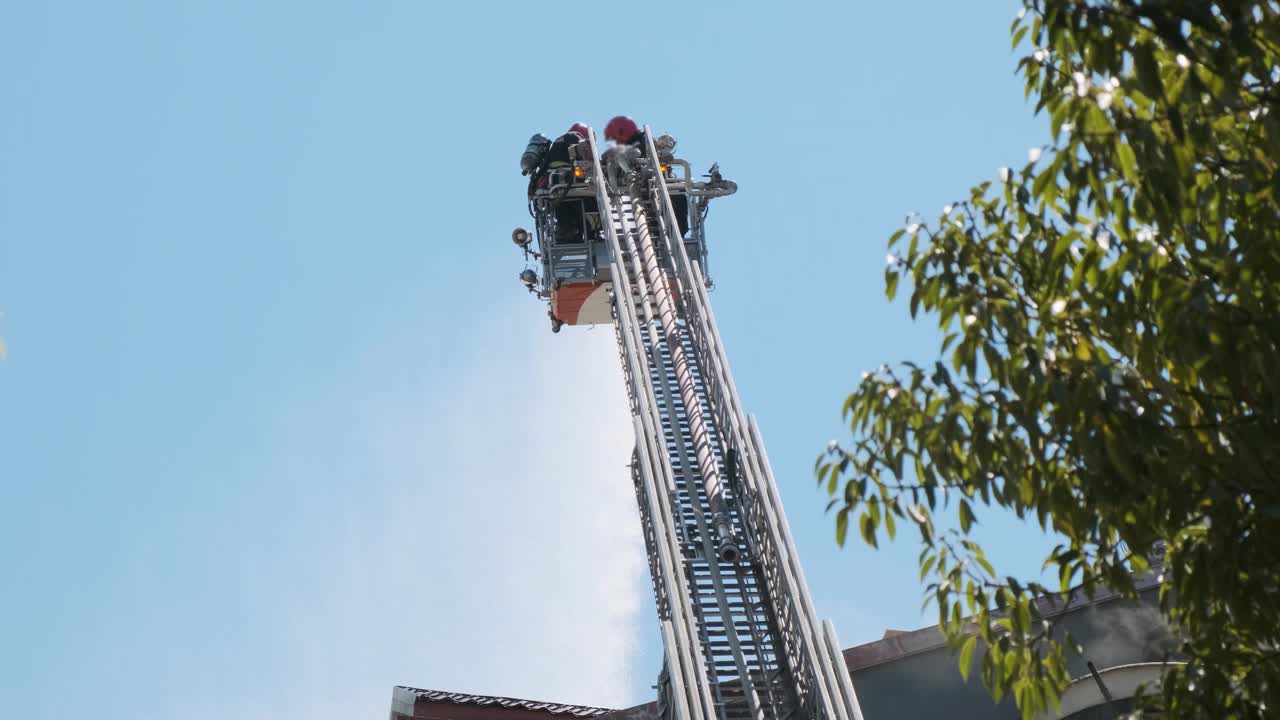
[[1018, 35], [966, 516], [868, 528], [981, 558], [966, 655], [1148, 73], [927, 565], [1128, 162], [1139, 564]]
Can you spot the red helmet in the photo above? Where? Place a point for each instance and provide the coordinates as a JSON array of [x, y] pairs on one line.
[[620, 129], [579, 128]]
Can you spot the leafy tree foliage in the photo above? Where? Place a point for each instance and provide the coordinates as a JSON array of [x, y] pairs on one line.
[[1111, 357]]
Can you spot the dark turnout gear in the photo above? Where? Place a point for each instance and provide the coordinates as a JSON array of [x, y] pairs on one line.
[[680, 204], [556, 155], [569, 218]]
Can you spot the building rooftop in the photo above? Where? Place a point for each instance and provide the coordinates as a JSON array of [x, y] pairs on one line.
[[408, 702], [904, 674]]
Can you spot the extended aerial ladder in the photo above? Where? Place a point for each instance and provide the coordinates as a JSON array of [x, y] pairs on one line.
[[741, 639]]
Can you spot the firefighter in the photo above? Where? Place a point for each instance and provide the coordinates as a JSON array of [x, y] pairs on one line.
[[558, 154], [631, 139], [542, 157], [624, 131]]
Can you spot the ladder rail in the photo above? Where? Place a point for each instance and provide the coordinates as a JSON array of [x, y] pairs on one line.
[[644, 403], [790, 588], [636, 231], [621, 211], [741, 639], [764, 673], [679, 653]]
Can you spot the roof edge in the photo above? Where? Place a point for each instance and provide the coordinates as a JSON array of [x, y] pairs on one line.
[[406, 696]]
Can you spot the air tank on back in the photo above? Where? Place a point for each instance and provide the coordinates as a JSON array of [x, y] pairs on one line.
[[533, 152]]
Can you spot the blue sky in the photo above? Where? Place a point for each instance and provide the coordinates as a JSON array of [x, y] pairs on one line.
[[279, 428]]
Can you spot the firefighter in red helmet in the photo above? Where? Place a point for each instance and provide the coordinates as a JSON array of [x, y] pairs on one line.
[[629, 146], [541, 158], [627, 134], [623, 130]]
